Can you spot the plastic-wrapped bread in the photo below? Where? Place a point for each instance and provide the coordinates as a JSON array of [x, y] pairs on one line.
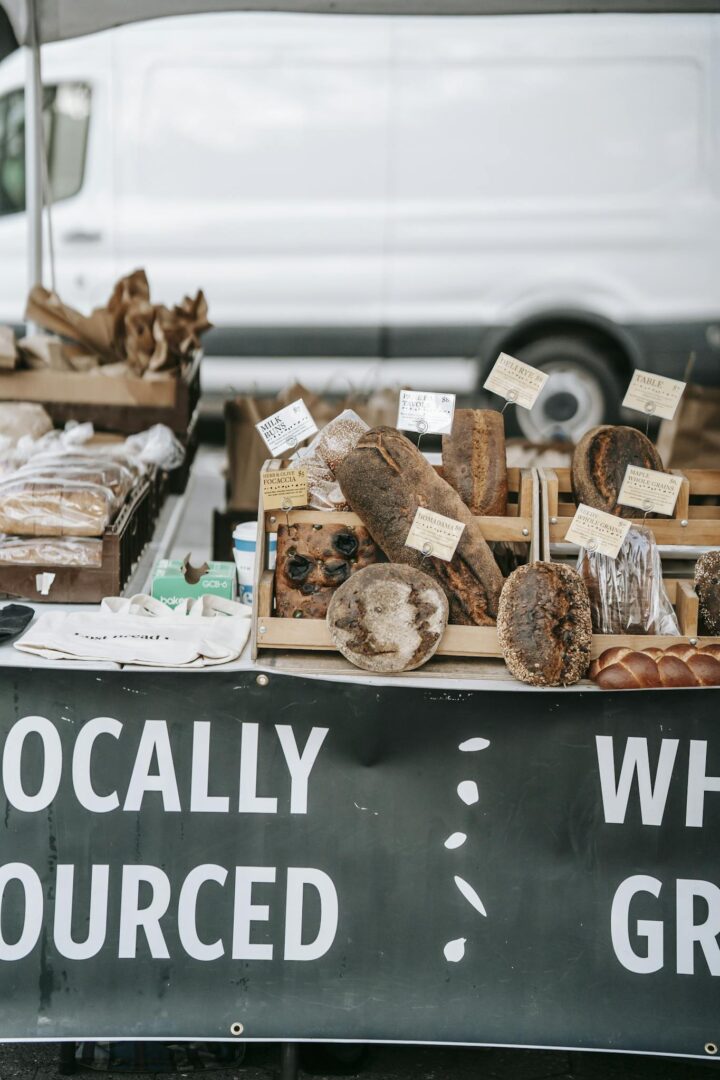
[[600, 462], [54, 508], [386, 479], [473, 457], [49, 551]]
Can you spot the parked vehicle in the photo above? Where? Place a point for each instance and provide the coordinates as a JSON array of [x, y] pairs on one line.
[[406, 189]]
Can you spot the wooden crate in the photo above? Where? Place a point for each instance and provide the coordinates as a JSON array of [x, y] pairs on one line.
[[122, 545], [696, 523], [520, 525]]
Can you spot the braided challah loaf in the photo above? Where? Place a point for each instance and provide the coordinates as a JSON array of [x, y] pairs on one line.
[[678, 665]]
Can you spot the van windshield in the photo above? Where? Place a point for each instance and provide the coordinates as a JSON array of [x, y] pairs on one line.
[[66, 116]]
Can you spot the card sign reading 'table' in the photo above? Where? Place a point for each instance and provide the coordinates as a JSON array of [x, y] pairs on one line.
[[284, 488], [286, 428], [597, 531], [515, 381], [650, 491], [654, 395], [425, 412], [434, 534]]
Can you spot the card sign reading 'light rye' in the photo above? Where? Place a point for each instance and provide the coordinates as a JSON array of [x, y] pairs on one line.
[[426, 413], [286, 428], [515, 381], [597, 531], [651, 491], [284, 488], [434, 534], [653, 395]]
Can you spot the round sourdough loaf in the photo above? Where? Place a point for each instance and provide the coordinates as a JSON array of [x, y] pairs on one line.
[[388, 618], [544, 625], [600, 461]]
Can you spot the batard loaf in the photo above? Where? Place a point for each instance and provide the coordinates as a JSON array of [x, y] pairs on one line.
[[473, 457], [386, 479], [388, 618], [600, 461], [544, 625]]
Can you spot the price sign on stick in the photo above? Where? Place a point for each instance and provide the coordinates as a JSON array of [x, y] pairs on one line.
[[650, 491], [425, 412], [285, 429], [284, 488], [597, 531], [653, 395], [434, 534], [515, 381]]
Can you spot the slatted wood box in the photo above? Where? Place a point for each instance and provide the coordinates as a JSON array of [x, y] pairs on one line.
[[695, 524], [520, 525]]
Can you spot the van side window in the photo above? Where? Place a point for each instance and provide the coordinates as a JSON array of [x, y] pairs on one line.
[[66, 119]]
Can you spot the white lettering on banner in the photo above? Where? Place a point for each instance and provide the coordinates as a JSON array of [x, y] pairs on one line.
[[698, 784], [298, 878], [154, 739], [299, 765], [246, 912], [704, 933], [97, 919], [249, 802], [86, 794], [200, 800], [615, 794], [187, 905], [651, 930], [32, 914], [12, 764], [134, 918]]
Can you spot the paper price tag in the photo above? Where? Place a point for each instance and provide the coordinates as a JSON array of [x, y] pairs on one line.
[[653, 395], [284, 488], [434, 534], [285, 429], [597, 531], [650, 491], [425, 412], [515, 381]]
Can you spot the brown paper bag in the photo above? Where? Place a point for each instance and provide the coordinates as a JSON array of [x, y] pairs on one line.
[[94, 332], [8, 350], [692, 438]]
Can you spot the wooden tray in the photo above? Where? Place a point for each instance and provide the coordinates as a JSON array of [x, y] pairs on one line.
[[521, 525], [696, 523], [122, 545]]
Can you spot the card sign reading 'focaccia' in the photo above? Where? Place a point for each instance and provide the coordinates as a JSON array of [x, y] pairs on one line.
[[651, 491], [286, 428], [434, 534], [284, 488], [654, 395], [517, 382], [597, 531], [425, 412]]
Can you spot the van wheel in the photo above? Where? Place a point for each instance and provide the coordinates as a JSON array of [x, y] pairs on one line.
[[583, 390]]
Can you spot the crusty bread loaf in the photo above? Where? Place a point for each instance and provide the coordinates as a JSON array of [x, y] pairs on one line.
[[600, 461], [385, 479], [313, 560], [707, 587], [388, 618], [473, 457], [544, 625], [676, 666]]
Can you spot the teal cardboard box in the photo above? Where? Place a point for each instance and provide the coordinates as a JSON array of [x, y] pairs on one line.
[[176, 580]]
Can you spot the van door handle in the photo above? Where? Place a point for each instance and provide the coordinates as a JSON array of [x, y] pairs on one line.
[[82, 236]]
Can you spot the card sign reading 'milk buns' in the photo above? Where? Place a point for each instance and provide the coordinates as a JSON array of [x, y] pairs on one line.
[[286, 428], [654, 395], [650, 491], [597, 531], [434, 534], [517, 382]]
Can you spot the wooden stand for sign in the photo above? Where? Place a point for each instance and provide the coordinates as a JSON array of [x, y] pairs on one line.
[[520, 525], [696, 523]]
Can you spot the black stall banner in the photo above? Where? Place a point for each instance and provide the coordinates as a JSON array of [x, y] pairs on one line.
[[201, 856]]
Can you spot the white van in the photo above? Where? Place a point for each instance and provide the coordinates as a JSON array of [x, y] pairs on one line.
[[404, 189]]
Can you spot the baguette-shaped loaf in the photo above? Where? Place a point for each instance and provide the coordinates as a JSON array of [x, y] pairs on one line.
[[600, 461], [473, 457], [677, 666], [386, 479]]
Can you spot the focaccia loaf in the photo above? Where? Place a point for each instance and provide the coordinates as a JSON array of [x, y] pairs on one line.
[[313, 560], [385, 479], [600, 461], [473, 457]]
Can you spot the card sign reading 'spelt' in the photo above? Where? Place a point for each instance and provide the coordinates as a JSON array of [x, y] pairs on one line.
[[388, 618], [386, 479]]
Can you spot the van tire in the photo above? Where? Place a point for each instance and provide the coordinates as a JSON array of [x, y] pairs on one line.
[[584, 371]]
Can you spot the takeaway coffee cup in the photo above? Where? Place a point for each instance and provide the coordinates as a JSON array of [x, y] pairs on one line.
[[244, 545]]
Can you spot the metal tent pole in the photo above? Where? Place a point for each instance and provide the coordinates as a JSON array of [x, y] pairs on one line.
[[33, 151]]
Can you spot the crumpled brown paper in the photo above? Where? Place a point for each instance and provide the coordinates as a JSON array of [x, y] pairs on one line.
[[130, 329], [8, 351]]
